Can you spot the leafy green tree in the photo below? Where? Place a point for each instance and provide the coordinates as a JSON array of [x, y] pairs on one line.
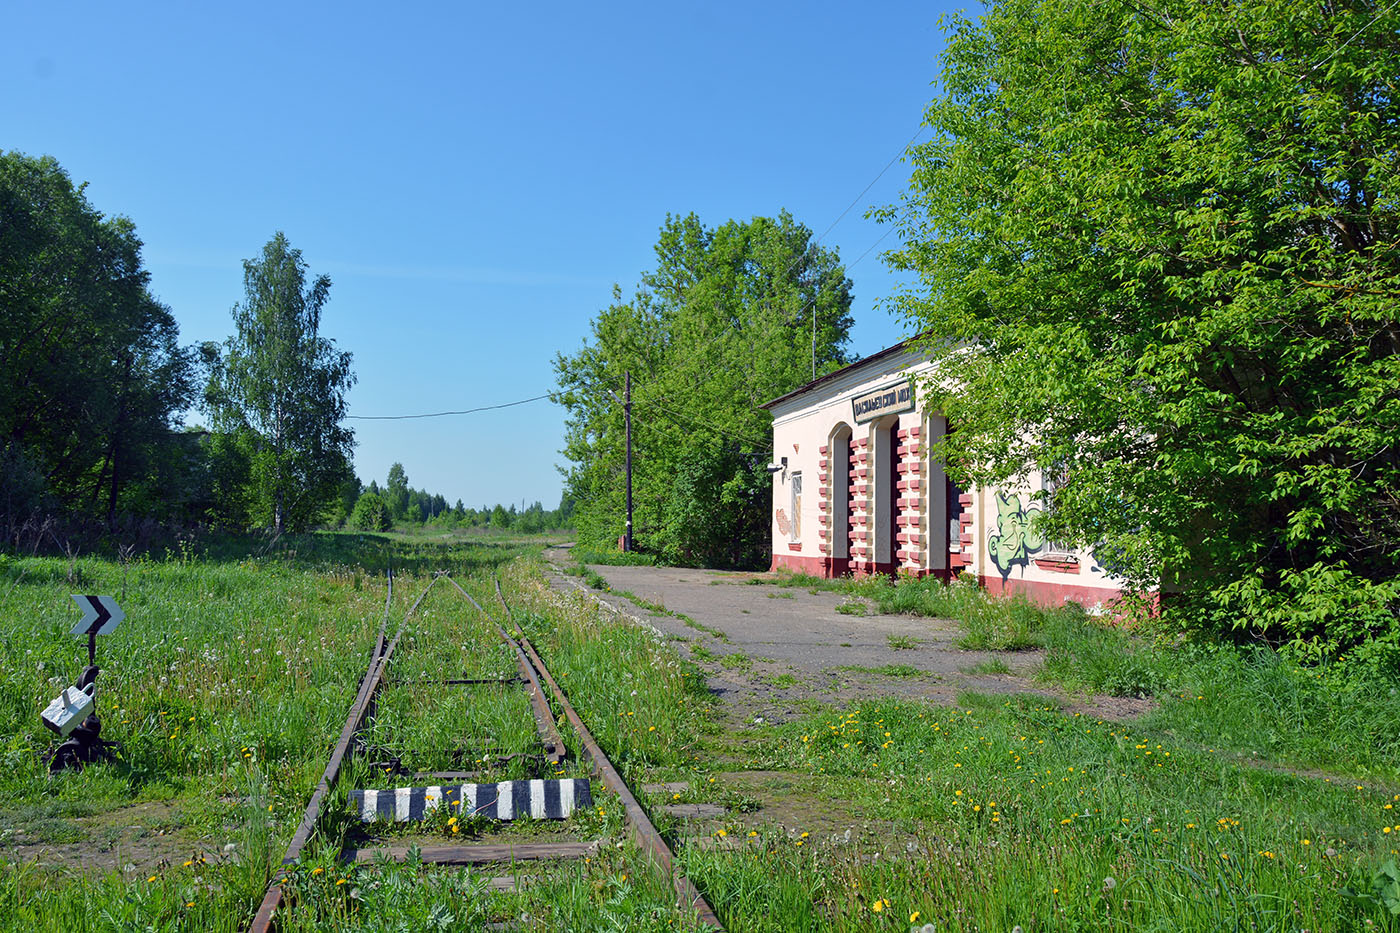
[[1158, 259], [228, 469], [500, 518], [396, 491], [91, 373], [730, 317], [347, 496], [278, 377], [370, 513]]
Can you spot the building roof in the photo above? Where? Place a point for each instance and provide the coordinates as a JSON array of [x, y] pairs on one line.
[[886, 353]]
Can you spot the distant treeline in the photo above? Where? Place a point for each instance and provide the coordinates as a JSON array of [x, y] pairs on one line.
[[378, 508]]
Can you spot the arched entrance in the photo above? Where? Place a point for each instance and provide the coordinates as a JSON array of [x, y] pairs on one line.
[[839, 470], [884, 506]]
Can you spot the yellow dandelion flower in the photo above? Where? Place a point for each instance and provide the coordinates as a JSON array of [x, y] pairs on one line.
[[318, 870]]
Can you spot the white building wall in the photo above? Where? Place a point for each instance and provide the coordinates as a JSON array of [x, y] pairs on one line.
[[993, 538]]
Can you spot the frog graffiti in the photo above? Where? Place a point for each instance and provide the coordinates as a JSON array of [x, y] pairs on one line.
[[1016, 538]]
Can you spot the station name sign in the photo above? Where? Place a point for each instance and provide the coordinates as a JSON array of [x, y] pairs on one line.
[[892, 399]]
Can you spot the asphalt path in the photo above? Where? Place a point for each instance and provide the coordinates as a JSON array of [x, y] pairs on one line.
[[767, 631]]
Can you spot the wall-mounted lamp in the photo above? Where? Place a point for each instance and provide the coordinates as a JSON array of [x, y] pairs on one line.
[[780, 465]]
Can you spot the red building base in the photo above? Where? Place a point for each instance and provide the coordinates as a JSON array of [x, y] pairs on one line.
[[1051, 595], [1039, 592]]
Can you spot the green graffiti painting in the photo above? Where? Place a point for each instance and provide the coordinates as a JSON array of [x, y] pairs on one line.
[[1016, 538]]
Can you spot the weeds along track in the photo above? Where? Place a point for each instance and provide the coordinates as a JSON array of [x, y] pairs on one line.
[[450, 755]]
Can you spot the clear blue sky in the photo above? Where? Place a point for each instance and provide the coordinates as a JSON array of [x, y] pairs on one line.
[[472, 180]]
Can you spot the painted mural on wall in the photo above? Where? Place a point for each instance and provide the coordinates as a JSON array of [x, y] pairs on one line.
[[1016, 539]]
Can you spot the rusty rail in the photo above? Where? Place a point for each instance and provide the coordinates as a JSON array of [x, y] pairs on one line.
[[262, 920], [532, 668], [644, 832], [539, 706]]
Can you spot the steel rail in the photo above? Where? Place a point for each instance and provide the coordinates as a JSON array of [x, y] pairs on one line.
[[644, 832], [539, 706], [262, 920]]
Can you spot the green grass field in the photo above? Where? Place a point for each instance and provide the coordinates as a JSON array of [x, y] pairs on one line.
[[1255, 796]]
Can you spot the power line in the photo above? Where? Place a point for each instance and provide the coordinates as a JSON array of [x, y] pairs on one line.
[[1338, 49], [697, 422], [871, 247], [443, 414], [891, 162]]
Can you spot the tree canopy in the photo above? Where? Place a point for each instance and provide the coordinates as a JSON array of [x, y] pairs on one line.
[[1157, 252], [280, 380], [730, 317], [91, 372]]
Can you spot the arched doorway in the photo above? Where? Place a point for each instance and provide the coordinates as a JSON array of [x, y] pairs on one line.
[[839, 470], [884, 506]]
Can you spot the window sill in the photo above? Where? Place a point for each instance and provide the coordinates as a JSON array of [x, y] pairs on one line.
[[1057, 563]]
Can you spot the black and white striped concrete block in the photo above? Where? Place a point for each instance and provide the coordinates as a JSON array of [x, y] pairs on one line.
[[508, 800]]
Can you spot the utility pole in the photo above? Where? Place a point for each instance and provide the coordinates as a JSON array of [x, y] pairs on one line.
[[627, 416]]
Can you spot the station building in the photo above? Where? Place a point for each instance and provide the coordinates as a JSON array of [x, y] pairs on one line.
[[856, 490]]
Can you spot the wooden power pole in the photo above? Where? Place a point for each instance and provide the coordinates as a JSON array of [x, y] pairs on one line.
[[627, 417]]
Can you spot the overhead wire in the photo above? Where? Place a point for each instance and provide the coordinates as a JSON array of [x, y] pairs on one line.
[[700, 422], [891, 162], [800, 311], [443, 414], [1338, 49]]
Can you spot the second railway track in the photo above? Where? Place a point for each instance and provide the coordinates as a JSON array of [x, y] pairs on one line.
[[437, 763]]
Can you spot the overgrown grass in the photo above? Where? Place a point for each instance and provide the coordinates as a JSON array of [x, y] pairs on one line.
[[998, 813], [1007, 813], [885, 670], [612, 558], [640, 700], [1001, 624], [1010, 812]]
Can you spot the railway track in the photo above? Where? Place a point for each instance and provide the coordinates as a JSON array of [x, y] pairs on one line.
[[535, 789]]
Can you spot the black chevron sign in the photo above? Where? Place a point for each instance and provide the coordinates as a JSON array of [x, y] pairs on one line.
[[101, 614]]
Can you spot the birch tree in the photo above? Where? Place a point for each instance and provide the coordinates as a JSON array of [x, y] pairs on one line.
[[280, 378]]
